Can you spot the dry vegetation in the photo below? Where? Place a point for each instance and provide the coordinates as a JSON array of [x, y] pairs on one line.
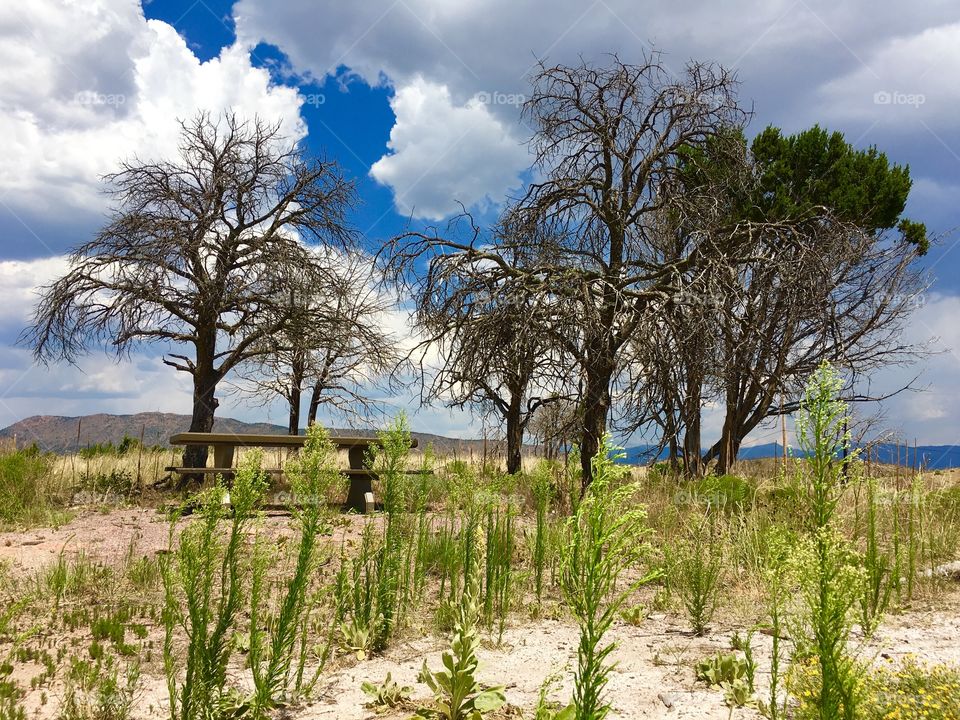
[[474, 593]]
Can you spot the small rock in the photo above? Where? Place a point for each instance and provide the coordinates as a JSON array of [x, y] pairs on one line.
[[667, 699], [950, 570]]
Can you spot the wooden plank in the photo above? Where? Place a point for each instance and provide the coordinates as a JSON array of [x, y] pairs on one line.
[[349, 472], [215, 470], [258, 440]]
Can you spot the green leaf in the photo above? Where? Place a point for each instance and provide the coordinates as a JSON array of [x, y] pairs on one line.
[[490, 700]]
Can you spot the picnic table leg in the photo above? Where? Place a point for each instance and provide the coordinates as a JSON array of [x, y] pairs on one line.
[[223, 458], [360, 485]]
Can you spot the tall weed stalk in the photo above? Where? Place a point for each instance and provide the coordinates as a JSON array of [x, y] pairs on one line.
[[878, 566], [607, 538], [389, 460], [312, 476], [542, 487], [203, 581], [698, 566], [825, 564]]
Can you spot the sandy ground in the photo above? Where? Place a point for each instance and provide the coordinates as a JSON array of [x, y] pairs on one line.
[[653, 678]]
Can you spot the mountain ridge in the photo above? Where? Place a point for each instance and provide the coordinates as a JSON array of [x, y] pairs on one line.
[[66, 434], [931, 457]]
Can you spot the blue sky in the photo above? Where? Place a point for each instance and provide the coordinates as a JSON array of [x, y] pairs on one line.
[[417, 99]]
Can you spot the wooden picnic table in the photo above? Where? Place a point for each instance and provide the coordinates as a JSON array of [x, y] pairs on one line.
[[224, 445]]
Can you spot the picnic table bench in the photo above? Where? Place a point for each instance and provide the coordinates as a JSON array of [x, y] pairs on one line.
[[224, 445]]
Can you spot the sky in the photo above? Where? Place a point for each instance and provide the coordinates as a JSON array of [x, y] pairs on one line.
[[419, 101]]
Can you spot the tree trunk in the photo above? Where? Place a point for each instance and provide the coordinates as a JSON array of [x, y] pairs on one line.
[[314, 403], [673, 453], [692, 419], [691, 450], [293, 424], [514, 435], [728, 454], [204, 406], [729, 443], [596, 402], [670, 436], [293, 397]]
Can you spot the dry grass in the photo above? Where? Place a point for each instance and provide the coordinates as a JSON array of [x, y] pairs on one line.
[[64, 595]]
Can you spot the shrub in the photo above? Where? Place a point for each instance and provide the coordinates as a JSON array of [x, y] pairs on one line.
[[697, 567], [26, 491], [729, 493], [457, 694], [387, 694], [113, 486], [913, 691], [10, 692], [721, 668], [910, 690], [99, 689]]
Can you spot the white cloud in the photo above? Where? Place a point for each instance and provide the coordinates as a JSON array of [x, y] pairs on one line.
[[932, 415], [19, 281], [442, 153], [785, 51], [91, 83], [907, 80], [141, 382]]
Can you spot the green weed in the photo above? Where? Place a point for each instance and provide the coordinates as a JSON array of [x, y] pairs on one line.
[[607, 537]]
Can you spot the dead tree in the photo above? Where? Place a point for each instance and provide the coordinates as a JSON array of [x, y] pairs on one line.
[[609, 142], [335, 347], [199, 252], [554, 426], [485, 341]]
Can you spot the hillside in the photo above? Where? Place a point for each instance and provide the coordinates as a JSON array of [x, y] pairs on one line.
[[932, 457], [60, 434]]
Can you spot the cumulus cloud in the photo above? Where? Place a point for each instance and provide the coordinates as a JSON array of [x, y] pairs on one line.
[[933, 413], [19, 281], [492, 45], [442, 153], [96, 83], [98, 384], [800, 62], [907, 80]]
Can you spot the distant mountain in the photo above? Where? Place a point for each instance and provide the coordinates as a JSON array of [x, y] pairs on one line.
[[60, 434], [68, 434], [932, 457]]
